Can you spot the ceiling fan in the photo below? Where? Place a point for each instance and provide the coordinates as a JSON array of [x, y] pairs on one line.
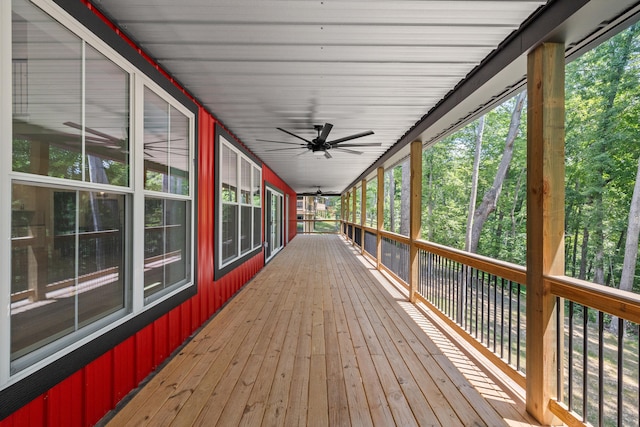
[[320, 146]]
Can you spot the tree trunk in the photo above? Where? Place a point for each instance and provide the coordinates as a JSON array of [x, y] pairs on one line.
[[575, 253], [582, 275], [474, 183], [610, 275], [631, 245], [605, 124], [514, 224], [490, 198]]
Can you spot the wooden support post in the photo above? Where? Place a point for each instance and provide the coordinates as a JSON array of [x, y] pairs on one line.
[[342, 214], [545, 221], [415, 216], [363, 212], [379, 216], [353, 215]]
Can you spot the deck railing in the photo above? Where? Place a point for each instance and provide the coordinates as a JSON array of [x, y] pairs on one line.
[[600, 338], [318, 226], [484, 300]]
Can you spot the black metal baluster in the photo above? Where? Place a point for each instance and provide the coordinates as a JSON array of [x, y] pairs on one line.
[[620, 369], [560, 351], [443, 275], [477, 298], [495, 309], [585, 361], [510, 319], [452, 290], [570, 367], [482, 310], [439, 285], [433, 275], [420, 272], [600, 368], [465, 305], [502, 317], [451, 298], [518, 331], [449, 291]]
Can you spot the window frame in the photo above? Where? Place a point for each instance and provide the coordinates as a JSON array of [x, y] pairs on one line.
[[222, 266], [54, 361]]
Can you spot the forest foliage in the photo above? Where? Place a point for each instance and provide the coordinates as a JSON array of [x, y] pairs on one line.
[[601, 163]]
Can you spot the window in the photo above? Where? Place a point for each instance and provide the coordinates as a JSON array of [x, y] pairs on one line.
[[166, 181], [240, 203], [75, 191]]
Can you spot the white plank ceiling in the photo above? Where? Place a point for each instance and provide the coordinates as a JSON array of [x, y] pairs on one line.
[[360, 65]]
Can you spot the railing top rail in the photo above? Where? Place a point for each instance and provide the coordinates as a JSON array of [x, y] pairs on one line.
[[370, 229], [623, 304], [507, 270], [395, 236]]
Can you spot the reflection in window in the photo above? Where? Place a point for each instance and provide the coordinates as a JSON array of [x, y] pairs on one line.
[[42, 144], [107, 121], [228, 174], [50, 132], [166, 146], [68, 255], [257, 184], [257, 211], [229, 232], [166, 244], [245, 181]]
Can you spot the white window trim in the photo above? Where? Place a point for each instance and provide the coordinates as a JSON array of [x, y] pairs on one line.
[[239, 156], [6, 131], [138, 80]]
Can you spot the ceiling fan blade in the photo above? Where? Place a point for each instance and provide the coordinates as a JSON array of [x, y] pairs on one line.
[[288, 148], [294, 135], [279, 142], [93, 131], [327, 155], [349, 138], [369, 144], [163, 141], [347, 151], [324, 133]]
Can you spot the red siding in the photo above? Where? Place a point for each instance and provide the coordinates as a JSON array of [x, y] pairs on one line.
[[84, 397], [175, 328], [98, 388], [65, 402], [160, 340], [144, 353], [124, 378]]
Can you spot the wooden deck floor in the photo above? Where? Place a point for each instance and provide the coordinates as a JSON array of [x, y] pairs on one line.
[[319, 337]]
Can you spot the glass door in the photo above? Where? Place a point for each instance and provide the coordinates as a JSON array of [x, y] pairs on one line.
[[273, 223]]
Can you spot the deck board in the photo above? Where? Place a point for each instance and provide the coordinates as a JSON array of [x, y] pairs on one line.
[[319, 337]]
